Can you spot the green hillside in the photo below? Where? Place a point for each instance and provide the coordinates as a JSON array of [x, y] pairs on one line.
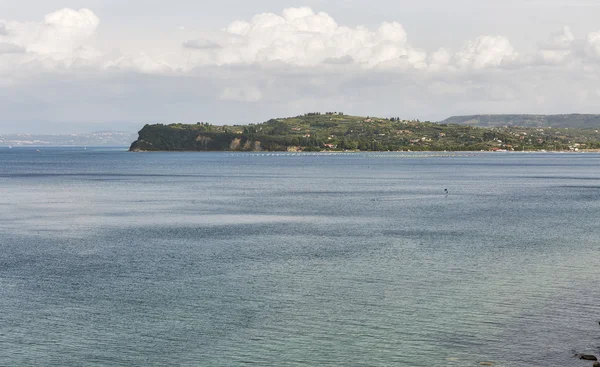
[[338, 132], [575, 121]]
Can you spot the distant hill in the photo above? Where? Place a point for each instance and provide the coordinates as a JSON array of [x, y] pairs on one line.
[[573, 121], [106, 138]]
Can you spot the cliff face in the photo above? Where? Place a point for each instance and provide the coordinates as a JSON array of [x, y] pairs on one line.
[[160, 138], [197, 137]]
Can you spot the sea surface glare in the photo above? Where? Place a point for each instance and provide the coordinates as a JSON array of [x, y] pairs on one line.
[[110, 258]]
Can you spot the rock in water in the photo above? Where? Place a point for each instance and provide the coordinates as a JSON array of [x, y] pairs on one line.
[[486, 363], [596, 364], [588, 357]]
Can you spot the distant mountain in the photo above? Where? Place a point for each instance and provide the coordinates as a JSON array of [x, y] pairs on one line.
[[106, 138], [574, 121]]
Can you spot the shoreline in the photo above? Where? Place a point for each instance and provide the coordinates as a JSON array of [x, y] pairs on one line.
[[368, 151]]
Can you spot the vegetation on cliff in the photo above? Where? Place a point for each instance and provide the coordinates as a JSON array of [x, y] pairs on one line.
[[336, 131]]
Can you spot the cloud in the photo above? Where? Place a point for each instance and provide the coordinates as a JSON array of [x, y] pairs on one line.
[[201, 44], [9, 48], [440, 59], [592, 47], [60, 33], [241, 94], [344, 60], [562, 40], [559, 48], [486, 51], [563, 48], [298, 37], [142, 63], [301, 37]]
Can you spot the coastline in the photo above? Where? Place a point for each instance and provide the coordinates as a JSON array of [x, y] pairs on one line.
[[367, 151]]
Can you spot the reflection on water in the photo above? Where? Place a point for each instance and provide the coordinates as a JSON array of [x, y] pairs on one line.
[[219, 259]]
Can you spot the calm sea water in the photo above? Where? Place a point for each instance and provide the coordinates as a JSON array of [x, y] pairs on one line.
[[109, 258]]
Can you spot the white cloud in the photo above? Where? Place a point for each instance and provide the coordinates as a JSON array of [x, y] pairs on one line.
[[61, 32], [562, 40], [301, 37], [201, 44], [486, 51], [142, 63], [559, 48], [298, 37], [593, 45], [60, 42], [440, 59]]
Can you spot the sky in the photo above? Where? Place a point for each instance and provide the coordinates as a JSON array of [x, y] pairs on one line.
[[87, 65]]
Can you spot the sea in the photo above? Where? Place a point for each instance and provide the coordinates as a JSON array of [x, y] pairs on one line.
[[111, 258]]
